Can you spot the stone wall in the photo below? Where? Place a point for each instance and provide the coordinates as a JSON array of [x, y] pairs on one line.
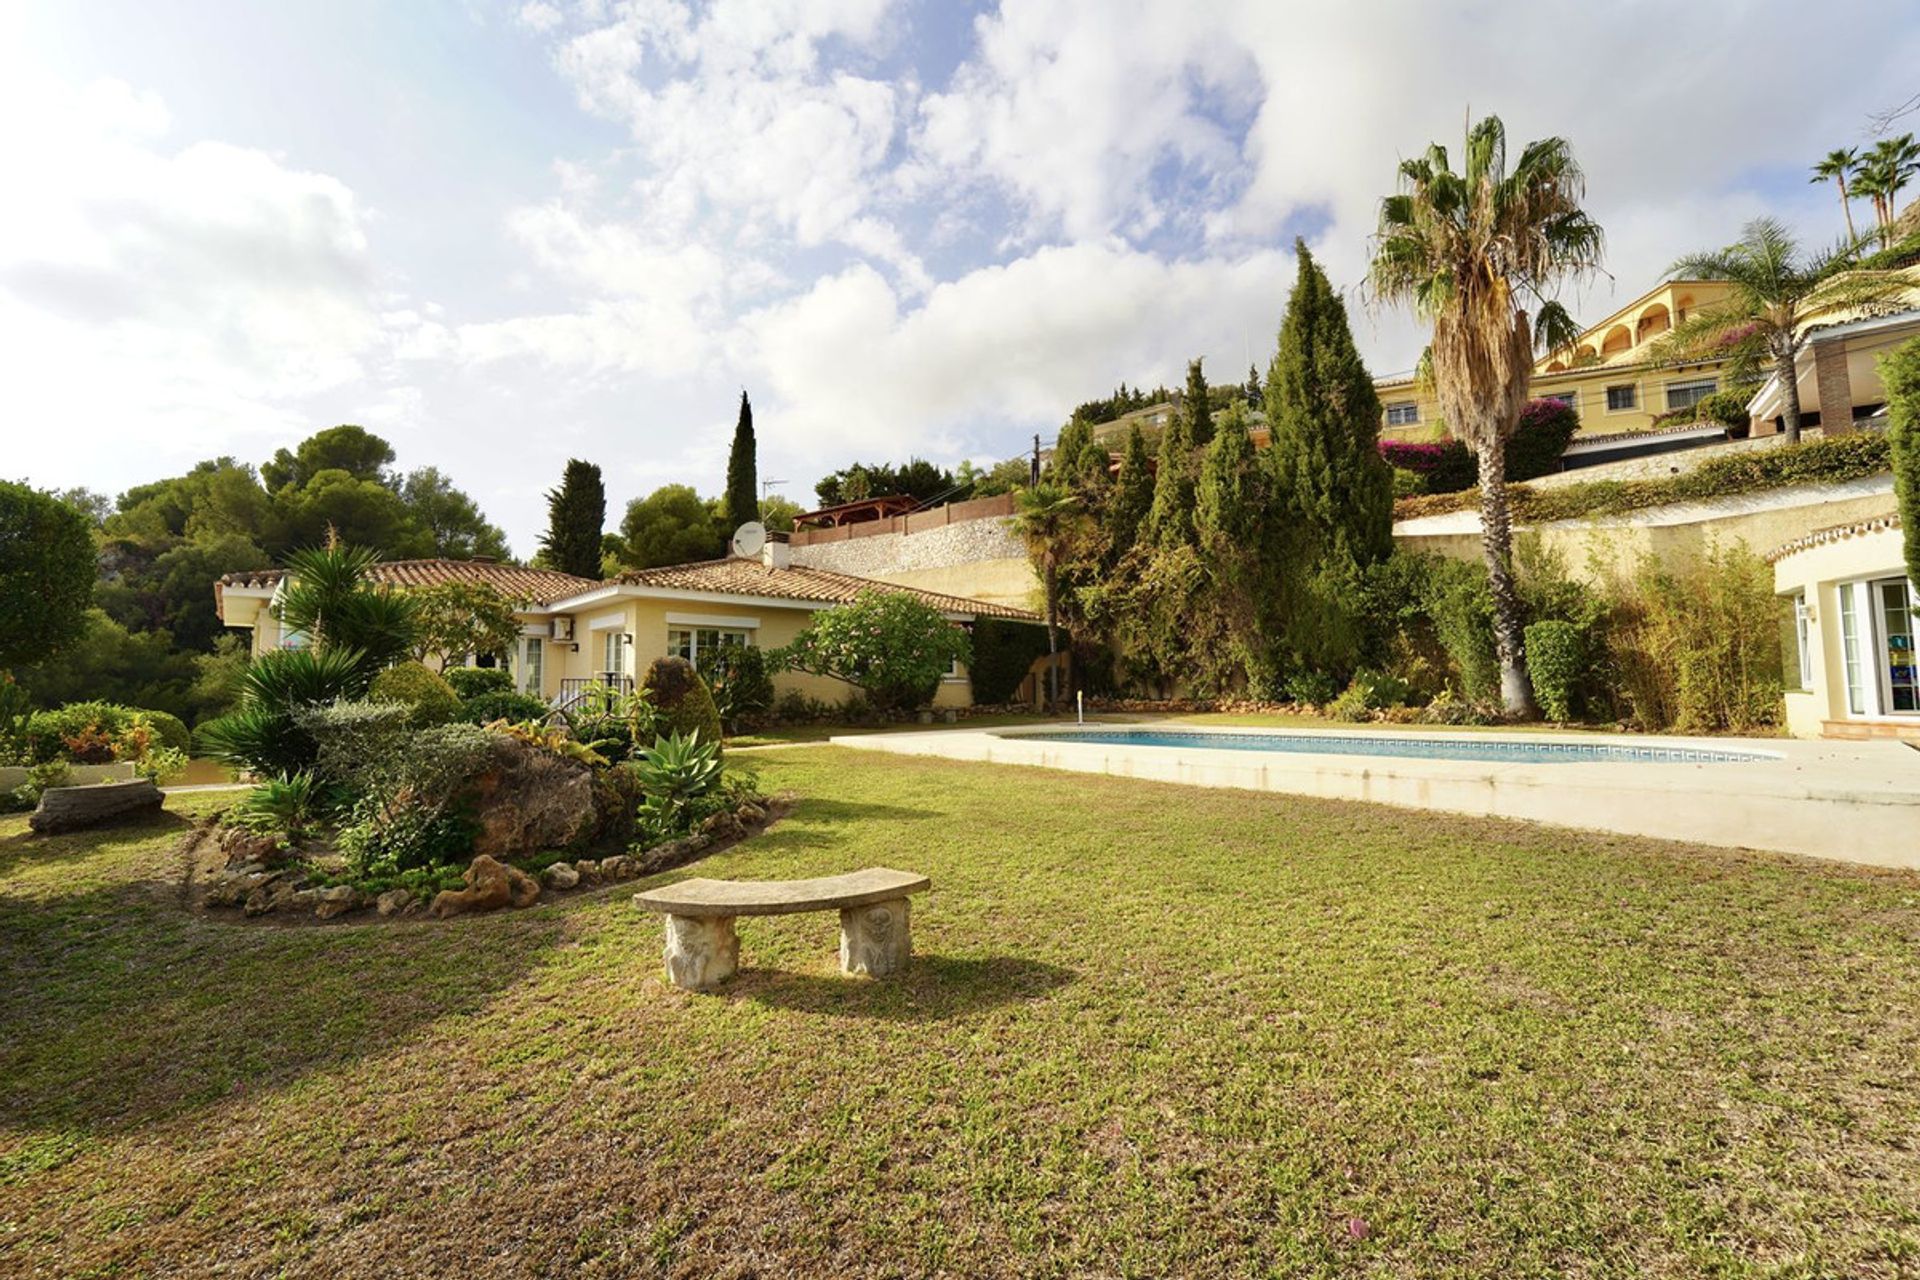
[[978, 559]]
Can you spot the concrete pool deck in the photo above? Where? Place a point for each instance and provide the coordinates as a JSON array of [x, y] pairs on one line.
[[1845, 801]]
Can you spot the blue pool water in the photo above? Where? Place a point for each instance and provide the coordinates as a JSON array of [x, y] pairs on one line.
[[1406, 746]]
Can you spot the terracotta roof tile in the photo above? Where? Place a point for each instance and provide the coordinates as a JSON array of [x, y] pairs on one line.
[[539, 586], [799, 582], [1833, 533]]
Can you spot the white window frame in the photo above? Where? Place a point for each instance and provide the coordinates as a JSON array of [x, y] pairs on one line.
[[1687, 387], [533, 666], [743, 636], [1883, 639], [614, 650], [1856, 644], [1403, 413], [1633, 397]]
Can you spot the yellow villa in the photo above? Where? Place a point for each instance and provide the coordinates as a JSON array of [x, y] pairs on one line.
[[1604, 375], [576, 632]]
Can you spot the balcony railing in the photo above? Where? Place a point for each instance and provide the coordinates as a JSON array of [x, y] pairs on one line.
[[577, 689]]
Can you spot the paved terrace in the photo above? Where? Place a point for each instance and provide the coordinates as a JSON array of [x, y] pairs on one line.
[[1845, 801]]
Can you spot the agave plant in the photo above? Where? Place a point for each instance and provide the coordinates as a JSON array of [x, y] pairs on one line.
[[677, 769], [289, 806]]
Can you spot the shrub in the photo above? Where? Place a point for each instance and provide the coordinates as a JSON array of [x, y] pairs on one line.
[[161, 763], [486, 708], [614, 726], [414, 811], [681, 700], [263, 733], [1442, 466], [1900, 370], [1694, 643], [1825, 461], [88, 733], [1461, 607], [356, 743], [1311, 688], [40, 777], [1729, 409], [289, 807], [1556, 660], [893, 647], [47, 571], [411, 684], [741, 685], [471, 682], [1003, 653], [1545, 429], [170, 730]]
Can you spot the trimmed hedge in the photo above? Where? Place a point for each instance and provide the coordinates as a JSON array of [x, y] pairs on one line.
[[1900, 370], [681, 700], [1829, 461], [1003, 653], [471, 682], [502, 704], [412, 684]]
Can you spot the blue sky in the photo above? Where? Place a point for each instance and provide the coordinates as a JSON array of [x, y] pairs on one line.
[[506, 234]]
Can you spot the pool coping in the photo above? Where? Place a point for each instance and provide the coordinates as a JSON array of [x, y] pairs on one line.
[[1843, 801]]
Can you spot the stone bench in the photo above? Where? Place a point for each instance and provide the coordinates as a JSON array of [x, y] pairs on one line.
[[703, 950]]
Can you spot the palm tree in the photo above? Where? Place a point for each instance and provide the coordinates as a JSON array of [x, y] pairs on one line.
[[1839, 163], [1052, 521], [1763, 321], [1883, 172], [1472, 251]]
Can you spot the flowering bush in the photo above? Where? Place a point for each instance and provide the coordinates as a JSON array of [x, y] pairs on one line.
[[888, 644], [1545, 429]]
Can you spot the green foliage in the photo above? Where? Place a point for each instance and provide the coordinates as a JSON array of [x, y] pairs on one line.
[[681, 699], [576, 516], [1461, 608], [455, 619], [263, 732], [16, 711], [415, 813], [291, 807], [738, 677], [1900, 371], [777, 513], [357, 742], [506, 705], [365, 513], [1728, 408], [330, 597], [89, 733], [471, 682], [1170, 520], [1132, 499], [1693, 643], [1825, 461], [1366, 693], [743, 473], [671, 525], [609, 724], [451, 522], [169, 730], [888, 644], [1197, 406], [1003, 653], [429, 697], [354, 451], [1545, 429], [677, 768], [1123, 401], [46, 574], [111, 663], [1557, 663], [40, 778], [918, 478]]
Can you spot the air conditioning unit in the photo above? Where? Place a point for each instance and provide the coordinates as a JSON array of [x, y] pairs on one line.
[[563, 627]]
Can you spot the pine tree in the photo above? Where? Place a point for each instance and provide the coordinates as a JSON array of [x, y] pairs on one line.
[[743, 478], [1170, 521], [576, 517], [1255, 396], [1199, 412], [1325, 418], [1132, 494]]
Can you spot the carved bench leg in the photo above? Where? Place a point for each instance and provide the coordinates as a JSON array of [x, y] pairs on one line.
[[876, 939], [702, 951]]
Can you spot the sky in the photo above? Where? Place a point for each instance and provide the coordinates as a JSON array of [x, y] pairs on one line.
[[503, 235]]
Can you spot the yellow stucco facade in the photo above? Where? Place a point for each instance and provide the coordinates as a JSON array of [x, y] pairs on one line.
[[1604, 375], [1851, 657]]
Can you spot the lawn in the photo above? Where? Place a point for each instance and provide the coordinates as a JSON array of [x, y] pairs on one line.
[[1149, 1031]]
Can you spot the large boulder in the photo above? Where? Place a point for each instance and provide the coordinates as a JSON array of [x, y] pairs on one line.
[[530, 799], [490, 886], [76, 808]]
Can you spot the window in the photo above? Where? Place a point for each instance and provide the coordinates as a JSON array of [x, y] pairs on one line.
[[1685, 395], [613, 652], [1899, 611], [1623, 398], [1794, 641], [531, 666], [1404, 414], [1571, 399], [691, 642], [1853, 649]]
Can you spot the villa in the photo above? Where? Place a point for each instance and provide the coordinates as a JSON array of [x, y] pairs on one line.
[[577, 632], [1853, 620]]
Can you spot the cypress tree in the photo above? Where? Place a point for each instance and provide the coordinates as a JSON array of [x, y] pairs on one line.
[[1170, 521], [1132, 494], [1255, 396], [1199, 411], [1325, 417], [1227, 508], [743, 477], [576, 517]]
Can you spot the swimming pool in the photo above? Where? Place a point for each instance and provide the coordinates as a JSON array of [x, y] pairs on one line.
[[1406, 746]]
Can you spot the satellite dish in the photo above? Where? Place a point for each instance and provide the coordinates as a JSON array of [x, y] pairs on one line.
[[748, 539]]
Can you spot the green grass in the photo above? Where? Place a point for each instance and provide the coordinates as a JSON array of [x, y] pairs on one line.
[[1148, 1031]]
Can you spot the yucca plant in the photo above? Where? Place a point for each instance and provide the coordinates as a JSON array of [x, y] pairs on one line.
[[289, 806], [330, 597], [264, 733]]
